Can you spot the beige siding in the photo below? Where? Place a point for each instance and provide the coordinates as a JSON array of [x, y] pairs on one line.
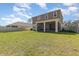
[[48, 17]]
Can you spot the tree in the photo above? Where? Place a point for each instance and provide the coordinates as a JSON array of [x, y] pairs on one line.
[[29, 21]]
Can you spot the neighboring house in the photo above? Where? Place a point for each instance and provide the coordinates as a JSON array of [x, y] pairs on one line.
[[48, 22], [20, 25], [72, 26], [67, 25], [17, 26]]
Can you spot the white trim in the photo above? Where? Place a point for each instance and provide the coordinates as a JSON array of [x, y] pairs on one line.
[[44, 27], [56, 26], [51, 20], [48, 20], [36, 27]]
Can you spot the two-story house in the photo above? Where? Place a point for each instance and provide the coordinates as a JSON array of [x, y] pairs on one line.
[[48, 22]]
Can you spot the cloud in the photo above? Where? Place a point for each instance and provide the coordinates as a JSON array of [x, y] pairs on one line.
[[68, 4], [42, 5], [23, 15], [64, 11], [24, 5], [20, 13], [67, 11], [11, 19], [21, 10], [17, 9], [73, 9], [77, 15]]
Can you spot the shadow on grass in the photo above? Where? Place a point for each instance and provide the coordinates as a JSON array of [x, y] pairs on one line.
[[65, 33]]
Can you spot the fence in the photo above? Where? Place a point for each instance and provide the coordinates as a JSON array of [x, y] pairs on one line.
[[9, 29]]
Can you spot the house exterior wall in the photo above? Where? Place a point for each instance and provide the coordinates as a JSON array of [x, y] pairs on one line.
[[51, 15], [48, 17]]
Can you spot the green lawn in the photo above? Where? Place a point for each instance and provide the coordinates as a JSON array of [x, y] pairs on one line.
[[38, 43]]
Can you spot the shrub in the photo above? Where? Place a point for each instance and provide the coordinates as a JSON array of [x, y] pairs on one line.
[[63, 30]]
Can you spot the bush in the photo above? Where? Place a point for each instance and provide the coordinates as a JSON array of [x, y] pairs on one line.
[[63, 30], [31, 29]]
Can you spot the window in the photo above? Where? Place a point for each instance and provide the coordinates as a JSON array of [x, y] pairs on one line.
[[54, 14], [14, 26], [46, 16]]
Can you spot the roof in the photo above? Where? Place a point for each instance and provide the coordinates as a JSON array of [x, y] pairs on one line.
[[20, 24], [47, 13]]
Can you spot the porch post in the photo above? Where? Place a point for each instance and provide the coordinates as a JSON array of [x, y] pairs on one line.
[[56, 26], [36, 26], [44, 27]]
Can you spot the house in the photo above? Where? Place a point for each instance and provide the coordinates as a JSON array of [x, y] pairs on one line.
[[72, 26], [20, 25], [17, 26], [48, 22]]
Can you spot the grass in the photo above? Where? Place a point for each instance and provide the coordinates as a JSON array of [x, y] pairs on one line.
[[29, 43]]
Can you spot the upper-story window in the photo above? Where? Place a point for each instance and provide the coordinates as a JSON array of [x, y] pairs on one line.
[[46, 16], [54, 14]]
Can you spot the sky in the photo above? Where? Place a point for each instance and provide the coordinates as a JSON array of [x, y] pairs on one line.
[[14, 12]]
